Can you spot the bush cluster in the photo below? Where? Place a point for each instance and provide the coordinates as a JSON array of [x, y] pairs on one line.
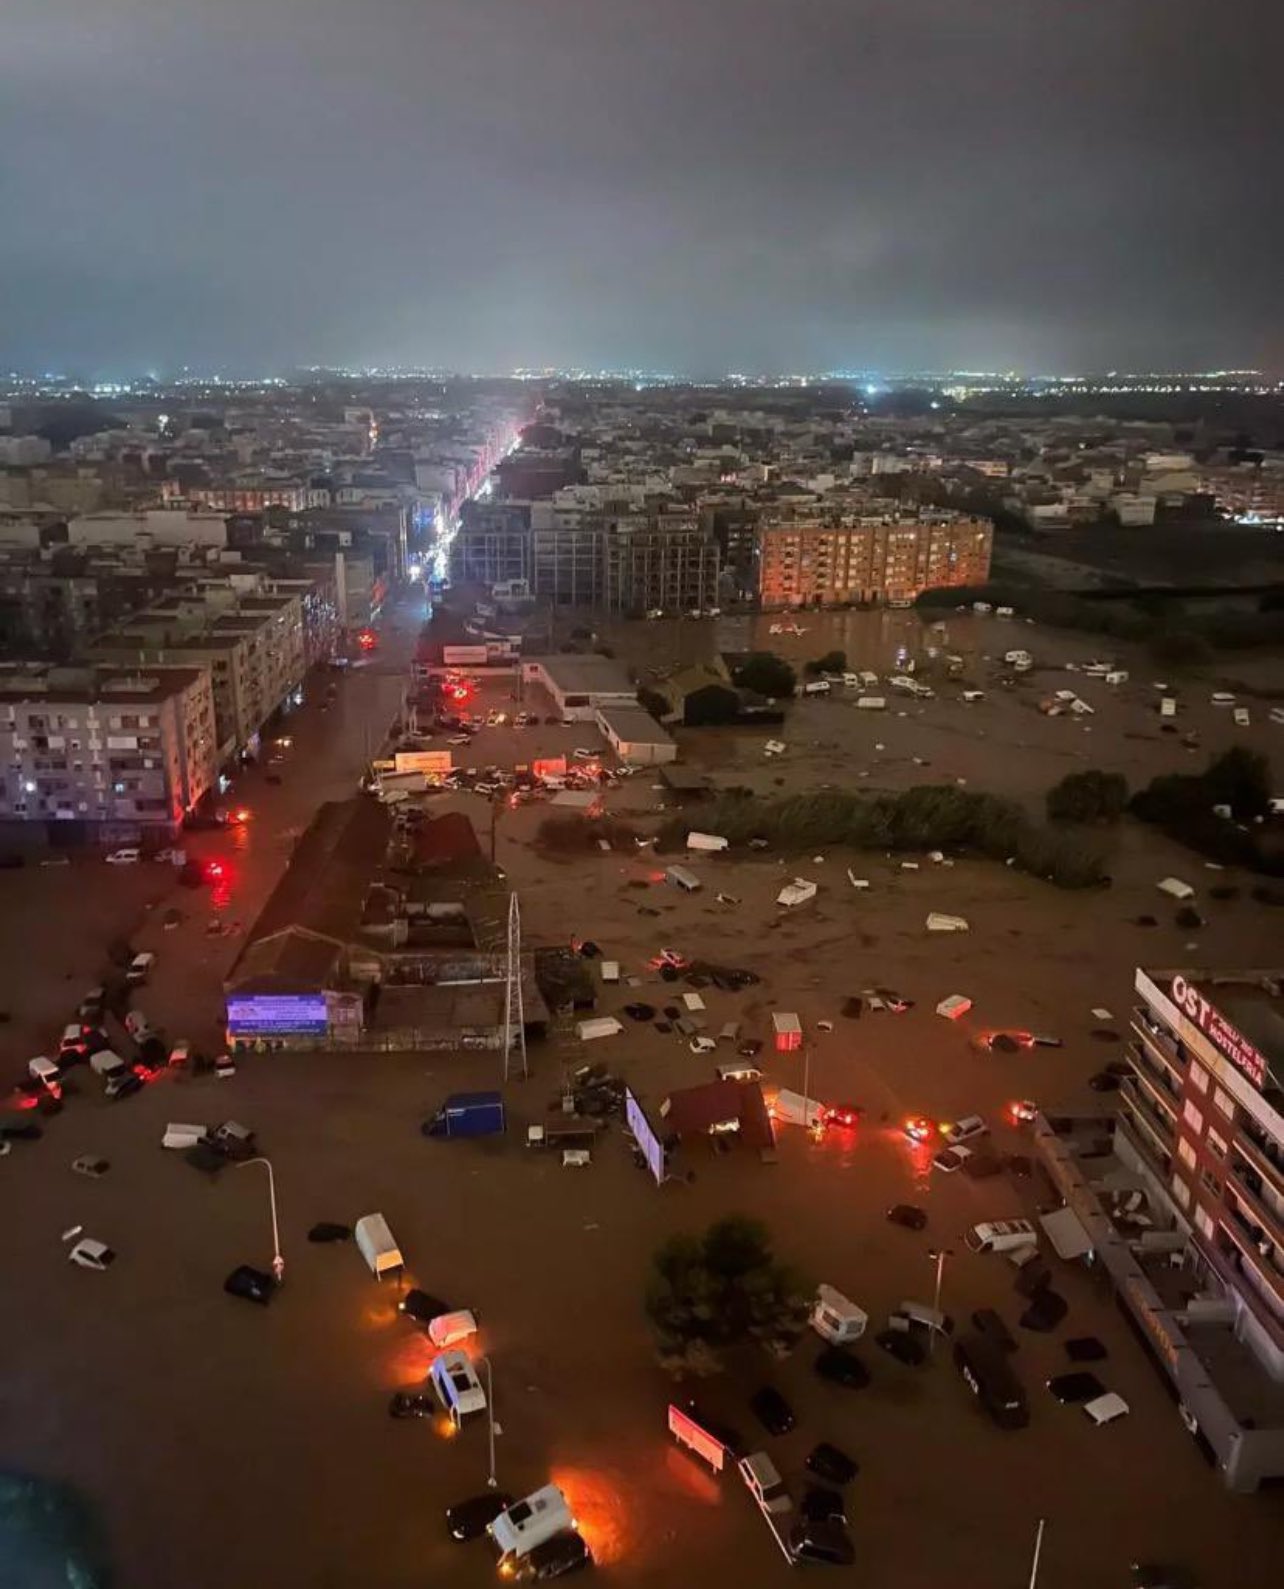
[[928, 817]]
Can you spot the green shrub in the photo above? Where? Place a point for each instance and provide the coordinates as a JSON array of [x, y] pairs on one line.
[[1092, 796]]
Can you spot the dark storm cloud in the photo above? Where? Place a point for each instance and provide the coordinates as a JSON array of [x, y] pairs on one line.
[[687, 184]]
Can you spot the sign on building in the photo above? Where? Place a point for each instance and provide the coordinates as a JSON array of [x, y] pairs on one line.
[[650, 1146], [430, 761], [1219, 1031], [277, 1015]]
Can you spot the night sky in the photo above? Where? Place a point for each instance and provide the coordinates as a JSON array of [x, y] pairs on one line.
[[687, 185]]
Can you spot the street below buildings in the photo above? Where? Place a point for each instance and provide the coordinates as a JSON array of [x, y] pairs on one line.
[[166, 1403]]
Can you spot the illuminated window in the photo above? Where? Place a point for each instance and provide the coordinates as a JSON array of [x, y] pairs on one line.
[[1186, 1153], [1181, 1191], [1198, 1077], [1204, 1220], [1216, 1144], [1224, 1102], [1192, 1117]]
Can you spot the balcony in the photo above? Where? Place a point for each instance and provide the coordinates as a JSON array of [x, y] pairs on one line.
[[1149, 1135], [1265, 1156], [1238, 1261], [1247, 1186], [1157, 1081], [1167, 1050]]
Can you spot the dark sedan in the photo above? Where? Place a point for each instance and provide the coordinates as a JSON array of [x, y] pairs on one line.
[[903, 1346], [468, 1519], [841, 1367], [772, 1411]]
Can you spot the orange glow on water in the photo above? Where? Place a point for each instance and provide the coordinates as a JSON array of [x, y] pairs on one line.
[[596, 1500]]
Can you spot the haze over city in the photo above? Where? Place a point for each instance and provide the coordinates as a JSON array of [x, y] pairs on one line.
[[734, 185]]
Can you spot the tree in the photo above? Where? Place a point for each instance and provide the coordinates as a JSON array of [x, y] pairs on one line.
[[1092, 796], [710, 1292], [711, 705], [831, 662], [766, 674], [1180, 648], [652, 701]]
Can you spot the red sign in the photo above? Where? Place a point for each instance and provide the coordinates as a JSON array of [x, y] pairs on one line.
[[1236, 1047], [686, 1431]]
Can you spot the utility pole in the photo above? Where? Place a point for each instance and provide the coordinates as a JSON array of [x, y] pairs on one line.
[[1038, 1551], [940, 1255], [514, 1012]]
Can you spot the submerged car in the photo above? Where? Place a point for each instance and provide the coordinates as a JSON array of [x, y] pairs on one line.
[[468, 1519], [772, 1411], [907, 1214], [828, 1461], [842, 1367], [903, 1346], [411, 1404], [1077, 1387], [554, 1558]]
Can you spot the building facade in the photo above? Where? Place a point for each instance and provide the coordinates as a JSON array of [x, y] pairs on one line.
[[1205, 1105], [105, 753], [807, 561]]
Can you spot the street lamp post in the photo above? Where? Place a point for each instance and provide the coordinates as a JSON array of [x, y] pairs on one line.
[[940, 1255], [278, 1263], [490, 1420]]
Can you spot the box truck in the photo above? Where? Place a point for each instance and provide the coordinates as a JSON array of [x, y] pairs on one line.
[[467, 1114]]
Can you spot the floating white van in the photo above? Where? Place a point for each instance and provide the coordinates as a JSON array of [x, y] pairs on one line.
[[458, 1388], [687, 881], [527, 1523], [1002, 1235], [816, 687], [871, 703], [1168, 706], [836, 1319], [380, 1251]]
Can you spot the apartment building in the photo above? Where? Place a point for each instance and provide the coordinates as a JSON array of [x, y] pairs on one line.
[[1205, 1109], [254, 651], [103, 753], [660, 562], [816, 557]]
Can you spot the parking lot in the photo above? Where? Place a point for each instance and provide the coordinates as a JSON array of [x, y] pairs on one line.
[[167, 1403]]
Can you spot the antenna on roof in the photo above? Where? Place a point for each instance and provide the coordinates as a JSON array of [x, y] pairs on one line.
[[514, 1012]]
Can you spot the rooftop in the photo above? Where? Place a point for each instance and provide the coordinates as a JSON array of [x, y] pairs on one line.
[[631, 723], [579, 672]]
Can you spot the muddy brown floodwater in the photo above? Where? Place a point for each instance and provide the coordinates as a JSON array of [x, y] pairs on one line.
[[226, 1445]]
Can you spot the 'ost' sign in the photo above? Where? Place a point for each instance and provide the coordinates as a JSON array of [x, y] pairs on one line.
[[1236, 1047]]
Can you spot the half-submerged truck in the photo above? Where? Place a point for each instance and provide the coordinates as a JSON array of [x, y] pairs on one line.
[[467, 1114]]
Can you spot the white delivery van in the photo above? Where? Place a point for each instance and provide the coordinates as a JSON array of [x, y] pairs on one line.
[[687, 881], [739, 1070], [448, 1329], [377, 1247], [178, 1135], [1105, 1409], [797, 1110], [1002, 1235], [458, 1389], [140, 968], [610, 971], [706, 841], [871, 703], [1168, 706], [816, 687], [106, 1064], [597, 1026], [527, 1523], [852, 680], [836, 1319]]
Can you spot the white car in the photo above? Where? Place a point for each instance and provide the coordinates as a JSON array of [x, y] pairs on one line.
[[703, 1045], [124, 857], [964, 1129], [580, 754], [656, 612], [1105, 1409], [91, 1254], [45, 1071], [950, 1159]]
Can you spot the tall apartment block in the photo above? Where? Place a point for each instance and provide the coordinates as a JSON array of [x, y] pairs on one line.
[[1181, 1199], [105, 753], [815, 560]]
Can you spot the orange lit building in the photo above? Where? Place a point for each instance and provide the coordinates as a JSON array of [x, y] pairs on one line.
[[826, 559]]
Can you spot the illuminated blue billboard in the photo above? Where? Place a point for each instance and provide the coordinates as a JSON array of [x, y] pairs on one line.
[[650, 1146], [277, 1014]]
